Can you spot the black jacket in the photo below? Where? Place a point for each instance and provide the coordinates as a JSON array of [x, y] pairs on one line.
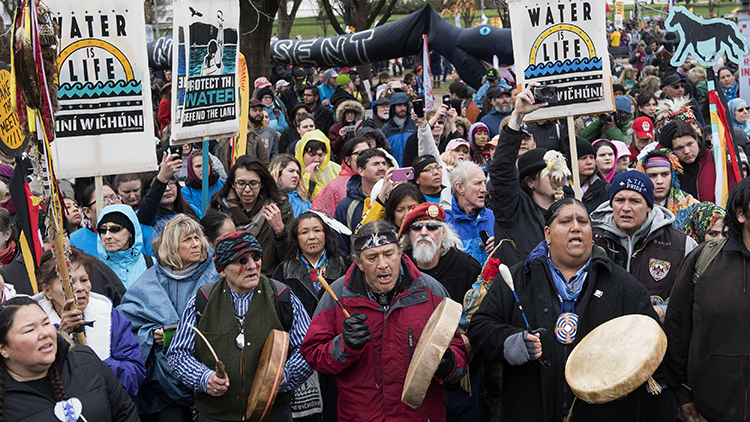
[[83, 376], [456, 271], [517, 216], [708, 329], [537, 390], [295, 275], [323, 118], [339, 96]]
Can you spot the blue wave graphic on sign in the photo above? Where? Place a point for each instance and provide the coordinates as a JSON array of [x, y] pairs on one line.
[[99, 90], [559, 68]]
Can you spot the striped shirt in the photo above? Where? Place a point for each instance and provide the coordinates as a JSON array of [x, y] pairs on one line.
[[195, 375]]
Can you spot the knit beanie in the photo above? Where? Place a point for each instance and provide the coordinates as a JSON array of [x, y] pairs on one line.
[[263, 92], [635, 181], [233, 245], [118, 218]]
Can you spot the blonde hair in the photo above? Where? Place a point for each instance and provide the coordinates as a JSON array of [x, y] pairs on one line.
[[166, 246], [447, 158], [697, 75], [279, 164], [629, 73], [650, 84]]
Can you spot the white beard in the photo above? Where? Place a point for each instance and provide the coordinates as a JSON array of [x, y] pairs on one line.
[[424, 254]]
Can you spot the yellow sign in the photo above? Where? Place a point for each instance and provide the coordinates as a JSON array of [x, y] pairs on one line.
[[240, 141], [10, 132]]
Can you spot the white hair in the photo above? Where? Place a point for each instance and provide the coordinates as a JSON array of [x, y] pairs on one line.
[[450, 239], [460, 174]]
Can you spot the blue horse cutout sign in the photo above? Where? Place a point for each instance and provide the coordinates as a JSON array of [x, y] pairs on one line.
[[705, 39]]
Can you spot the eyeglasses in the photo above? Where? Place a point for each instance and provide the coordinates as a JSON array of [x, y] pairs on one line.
[[171, 183], [107, 200], [742, 109], [112, 229], [417, 227], [435, 168], [241, 184], [256, 256], [678, 86]]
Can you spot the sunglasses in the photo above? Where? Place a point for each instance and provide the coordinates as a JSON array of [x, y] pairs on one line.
[[256, 256], [742, 109], [112, 229], [416, 227]]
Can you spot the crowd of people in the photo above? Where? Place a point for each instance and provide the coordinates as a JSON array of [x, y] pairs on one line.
[[396, 208]]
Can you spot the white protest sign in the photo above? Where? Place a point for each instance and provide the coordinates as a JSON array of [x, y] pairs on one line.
[[205, 102], [744, 86], [105, 122], [563, 44]]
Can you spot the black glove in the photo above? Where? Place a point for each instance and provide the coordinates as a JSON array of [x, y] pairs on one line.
[[356, 332], [446, 364]]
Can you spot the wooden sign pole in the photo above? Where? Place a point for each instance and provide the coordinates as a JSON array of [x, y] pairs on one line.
[[574, 157]]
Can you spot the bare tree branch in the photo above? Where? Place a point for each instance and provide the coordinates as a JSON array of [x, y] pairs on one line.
[[332, 18]]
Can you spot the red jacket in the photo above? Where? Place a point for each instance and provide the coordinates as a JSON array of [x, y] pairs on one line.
[[165, 113], [333, 192], [370, 381]]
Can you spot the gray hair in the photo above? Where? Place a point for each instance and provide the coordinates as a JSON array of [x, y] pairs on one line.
[[450, 240], [460, 174], [367, 230]]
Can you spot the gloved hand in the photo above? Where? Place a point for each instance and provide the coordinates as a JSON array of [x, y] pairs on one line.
[[519, 349], [356, 332], [446, 364]]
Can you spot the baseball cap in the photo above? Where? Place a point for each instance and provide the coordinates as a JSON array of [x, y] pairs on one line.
[[281, 83], [455, 143], [500, 90], [643, 127], [493, 74]]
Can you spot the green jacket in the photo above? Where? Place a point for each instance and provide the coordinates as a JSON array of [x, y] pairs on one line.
[[593, 131]]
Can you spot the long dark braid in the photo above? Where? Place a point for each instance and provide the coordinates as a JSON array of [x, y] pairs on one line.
[[54, 378]]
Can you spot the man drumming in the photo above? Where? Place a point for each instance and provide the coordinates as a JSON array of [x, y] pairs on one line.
[[390, 302], [241, 309]]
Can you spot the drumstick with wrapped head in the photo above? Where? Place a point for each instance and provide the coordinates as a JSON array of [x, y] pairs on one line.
[[505, 273], [220, 371], [325, 285]]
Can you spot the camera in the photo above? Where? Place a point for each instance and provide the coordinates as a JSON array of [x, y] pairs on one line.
[[350, 128], [545, 94], [605, 118]]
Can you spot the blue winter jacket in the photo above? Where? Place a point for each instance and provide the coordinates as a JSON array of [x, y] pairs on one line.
[[130, 263], [194, 197], [278, 122], [468, 228], [158, 298], [353, 193], [397, 136]]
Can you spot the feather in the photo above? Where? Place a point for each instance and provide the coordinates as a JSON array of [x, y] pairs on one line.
[[505, 272], [557, 168]]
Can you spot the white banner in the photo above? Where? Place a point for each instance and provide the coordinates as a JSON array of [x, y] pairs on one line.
[[205, 101], [105, 122], [744, 86], [563, 44]]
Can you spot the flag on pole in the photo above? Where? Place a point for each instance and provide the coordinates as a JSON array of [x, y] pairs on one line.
[[725, 158], [429, 100], [635, 10], [27, 218]]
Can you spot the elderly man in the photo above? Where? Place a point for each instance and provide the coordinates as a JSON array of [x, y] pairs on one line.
[[436, 250], [675, 86], [638, 235], [564, 279], [708, 323], [468, 214], [221, 310], [390, 302]]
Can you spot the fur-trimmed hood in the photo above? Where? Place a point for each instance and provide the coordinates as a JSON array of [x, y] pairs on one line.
[[347, 106]]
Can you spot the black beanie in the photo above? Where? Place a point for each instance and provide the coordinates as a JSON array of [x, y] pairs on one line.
[[666, 134], [118, 218], [263, 92], [584, 147], [531, 162]]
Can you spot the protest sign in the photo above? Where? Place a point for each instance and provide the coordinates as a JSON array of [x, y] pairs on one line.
[[13, 142], [563, 44], [105, 121], [204, 65]]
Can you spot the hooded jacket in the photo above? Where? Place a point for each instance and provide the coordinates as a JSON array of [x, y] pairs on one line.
[[397, 136], [333, 192], [269, 136], [290, 135], [276, 116], [468, 228], [84, 376], [371, 380], [337, 141], [327, 171], [653, 254], [130, 263], [350, 211], [157, 299]]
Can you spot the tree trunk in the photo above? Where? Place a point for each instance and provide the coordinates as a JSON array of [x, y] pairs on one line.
[[286, 20], [255, 35]]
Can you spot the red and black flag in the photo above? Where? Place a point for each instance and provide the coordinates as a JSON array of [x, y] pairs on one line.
[[27, 218]]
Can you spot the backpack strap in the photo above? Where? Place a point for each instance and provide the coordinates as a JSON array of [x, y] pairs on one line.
[[201, 299], [149, 260], [709, 252], [284, 309]]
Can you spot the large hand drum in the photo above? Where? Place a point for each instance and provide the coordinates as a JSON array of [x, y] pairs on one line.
[[615, 358], [267, 379], [435, 338]]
